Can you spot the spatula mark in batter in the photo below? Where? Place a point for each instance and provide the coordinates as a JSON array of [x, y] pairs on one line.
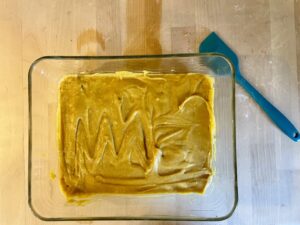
[[133, 146]]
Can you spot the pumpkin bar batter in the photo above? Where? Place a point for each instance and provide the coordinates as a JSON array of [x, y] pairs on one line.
[[135, 133]]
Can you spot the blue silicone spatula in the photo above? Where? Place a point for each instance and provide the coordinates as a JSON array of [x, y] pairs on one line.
[[214, 44]]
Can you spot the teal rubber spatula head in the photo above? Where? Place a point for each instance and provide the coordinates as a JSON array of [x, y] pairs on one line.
[[214, 44]]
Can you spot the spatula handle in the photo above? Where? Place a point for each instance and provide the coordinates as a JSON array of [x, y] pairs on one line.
[[274, 114]]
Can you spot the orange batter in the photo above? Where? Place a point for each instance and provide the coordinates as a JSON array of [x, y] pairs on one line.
[[135, 133]]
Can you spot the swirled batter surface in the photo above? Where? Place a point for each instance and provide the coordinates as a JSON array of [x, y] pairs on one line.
[[133, 133]]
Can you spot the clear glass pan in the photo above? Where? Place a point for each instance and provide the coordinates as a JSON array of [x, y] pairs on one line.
[[44, 195]]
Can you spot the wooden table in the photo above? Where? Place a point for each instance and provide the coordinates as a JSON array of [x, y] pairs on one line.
[[266, 34]]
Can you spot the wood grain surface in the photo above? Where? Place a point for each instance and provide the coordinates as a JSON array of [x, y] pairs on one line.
[[265, 33]]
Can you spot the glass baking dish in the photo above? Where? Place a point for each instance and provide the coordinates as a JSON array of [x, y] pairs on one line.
[[44, 195]]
